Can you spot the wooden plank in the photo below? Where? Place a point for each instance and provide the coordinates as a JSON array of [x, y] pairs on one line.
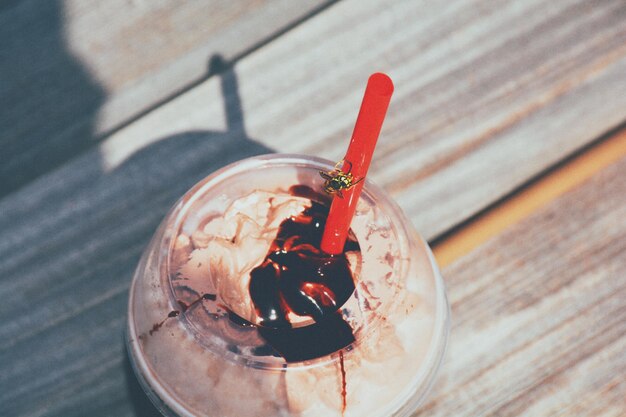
[[485, 97], [538, 313], [71, 71], [71, 239], [496, 219]]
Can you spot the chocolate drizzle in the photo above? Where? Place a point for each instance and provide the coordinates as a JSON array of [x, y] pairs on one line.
[[157, 326], [183, 308], [344, 390], [297, 277]]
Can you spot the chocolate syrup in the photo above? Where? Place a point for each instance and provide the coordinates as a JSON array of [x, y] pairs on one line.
[[344, 391], [297, 277], [157, 326], [183, 308]]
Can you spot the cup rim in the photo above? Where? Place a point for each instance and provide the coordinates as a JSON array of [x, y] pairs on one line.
[[404, 231], [394, 212]]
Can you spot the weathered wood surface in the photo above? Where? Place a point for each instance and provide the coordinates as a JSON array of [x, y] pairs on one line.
[[486, 97], [72, 70], [539, 313]]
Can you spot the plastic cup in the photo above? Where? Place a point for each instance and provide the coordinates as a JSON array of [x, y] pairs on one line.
[[193, 359]]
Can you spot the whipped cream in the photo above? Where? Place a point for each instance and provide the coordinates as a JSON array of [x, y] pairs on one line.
[[392, 314]]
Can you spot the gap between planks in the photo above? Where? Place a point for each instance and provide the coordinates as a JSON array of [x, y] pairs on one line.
[[528, 199], [221, 67]]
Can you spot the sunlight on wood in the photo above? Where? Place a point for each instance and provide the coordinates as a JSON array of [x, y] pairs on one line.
[[521, 205]]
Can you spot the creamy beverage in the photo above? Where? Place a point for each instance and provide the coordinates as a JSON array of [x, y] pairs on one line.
[[234, 310]]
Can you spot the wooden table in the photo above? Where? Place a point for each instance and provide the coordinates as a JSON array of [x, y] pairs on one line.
[[505, 144]]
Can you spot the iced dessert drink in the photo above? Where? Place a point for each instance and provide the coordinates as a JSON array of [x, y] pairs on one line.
[[234, 311]]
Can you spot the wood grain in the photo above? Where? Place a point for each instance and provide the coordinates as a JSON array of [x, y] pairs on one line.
[[539, 313], [487, 96], [567, 175], [73, 70]]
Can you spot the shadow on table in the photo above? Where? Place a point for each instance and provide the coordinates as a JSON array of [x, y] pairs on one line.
[[77, 235], [142, 406], [170, 166], [48, 100]]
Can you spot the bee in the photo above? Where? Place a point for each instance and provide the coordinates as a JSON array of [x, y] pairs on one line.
[[336, 180]]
